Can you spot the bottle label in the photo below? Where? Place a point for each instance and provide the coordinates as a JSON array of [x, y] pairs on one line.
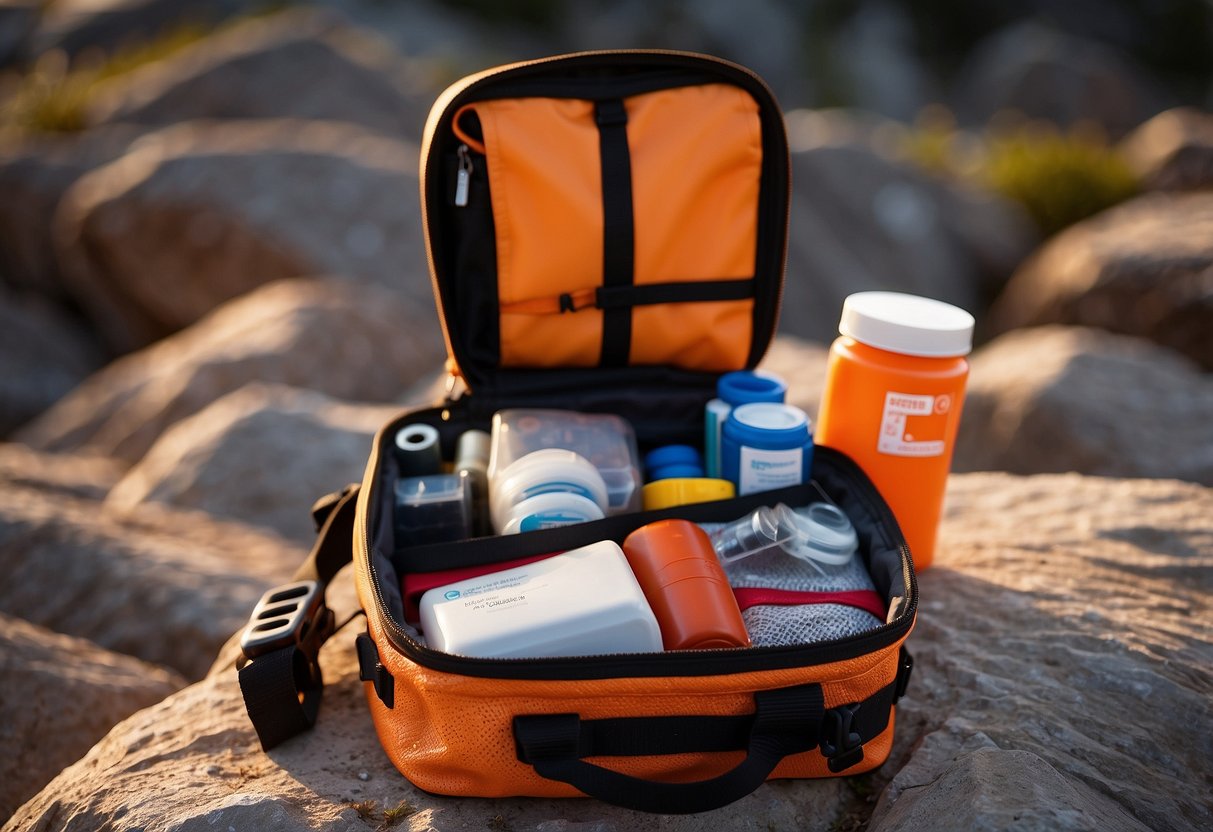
[[909, 423], [761, 470]]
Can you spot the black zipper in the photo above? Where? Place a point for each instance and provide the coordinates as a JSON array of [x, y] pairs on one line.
[[673, 663], [775, 191]]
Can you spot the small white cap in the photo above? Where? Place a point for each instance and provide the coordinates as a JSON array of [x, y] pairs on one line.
[[907, 324]]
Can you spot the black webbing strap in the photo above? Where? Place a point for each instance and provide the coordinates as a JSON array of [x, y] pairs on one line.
[[785, 721], [280, 677], [618, 236], [691, 291]]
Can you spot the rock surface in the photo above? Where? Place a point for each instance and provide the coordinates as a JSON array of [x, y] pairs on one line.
[[1067, 617], [78, 475], [76, 25], [861, 220], [61, 695], [990, 789], [1048, 74], [201, 212], [166, 586], [261, 455], [297, 64], [18, 18], [1058, 605], [34, 176], [43, 355], [1054, 399], [1173, 151], [348, 340], [1143, 268]]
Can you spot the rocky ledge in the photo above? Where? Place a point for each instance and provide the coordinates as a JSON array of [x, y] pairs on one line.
[[1063, 681]]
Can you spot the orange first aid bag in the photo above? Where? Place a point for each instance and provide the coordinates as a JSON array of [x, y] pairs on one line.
[[606, 234]]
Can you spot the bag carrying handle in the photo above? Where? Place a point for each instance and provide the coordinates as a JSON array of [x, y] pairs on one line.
[[785, 721]]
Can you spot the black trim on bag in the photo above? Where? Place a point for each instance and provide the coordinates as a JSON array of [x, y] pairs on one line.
[[691, 291], [618, 233]]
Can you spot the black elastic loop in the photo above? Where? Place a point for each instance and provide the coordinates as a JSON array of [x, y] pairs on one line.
[[785, 721], [282, 689], [690, 291], [618, 235]]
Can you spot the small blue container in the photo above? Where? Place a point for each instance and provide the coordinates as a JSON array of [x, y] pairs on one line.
[[673, 461], [765, 446], [734, 389]]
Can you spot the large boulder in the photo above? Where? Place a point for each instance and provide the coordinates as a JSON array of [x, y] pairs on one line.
[[61, 695], [1044, 73], [261, 455], [1054, 399], [18, 18], [297, 64], [1173, 151], [201, 212], [1065, 619], [1011, 654], [349, 340], [1142, 268], [43, 355], [73, 26], [167, 586], [35, 173], [862, 220], [79, 475]]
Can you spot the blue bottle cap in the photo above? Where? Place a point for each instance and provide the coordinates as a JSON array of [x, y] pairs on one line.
[[746, 386], [675, 471], [672, 455]]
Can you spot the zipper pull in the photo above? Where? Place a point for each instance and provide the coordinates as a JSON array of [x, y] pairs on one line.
[[464, 177]]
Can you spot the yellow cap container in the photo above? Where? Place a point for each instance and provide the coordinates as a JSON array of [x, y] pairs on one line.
[[680, 491]]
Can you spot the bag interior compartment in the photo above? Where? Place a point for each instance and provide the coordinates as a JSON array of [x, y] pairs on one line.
[[834, 476]]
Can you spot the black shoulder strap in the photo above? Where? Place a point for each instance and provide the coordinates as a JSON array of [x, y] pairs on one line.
[[279, 671]]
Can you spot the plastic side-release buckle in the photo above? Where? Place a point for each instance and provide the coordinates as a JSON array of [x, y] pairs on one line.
[[840, 744], [905, 667], [288, 615]]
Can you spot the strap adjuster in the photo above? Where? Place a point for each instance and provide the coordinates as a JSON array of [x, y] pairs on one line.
[[905, 667], [840, 744], [288, 615]]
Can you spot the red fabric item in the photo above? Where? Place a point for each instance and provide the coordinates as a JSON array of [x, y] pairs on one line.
[[864, 599]]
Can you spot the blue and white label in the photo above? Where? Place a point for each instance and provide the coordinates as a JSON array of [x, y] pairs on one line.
[[761, 470], [549, 520], [451, 594]]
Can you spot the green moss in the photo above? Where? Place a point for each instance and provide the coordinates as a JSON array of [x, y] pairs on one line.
[[53, 96], [1059, 178]]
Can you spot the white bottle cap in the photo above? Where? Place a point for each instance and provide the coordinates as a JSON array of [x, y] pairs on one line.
[[907, 324]]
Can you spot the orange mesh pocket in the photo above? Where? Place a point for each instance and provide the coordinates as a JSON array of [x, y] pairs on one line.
[[696, 159]]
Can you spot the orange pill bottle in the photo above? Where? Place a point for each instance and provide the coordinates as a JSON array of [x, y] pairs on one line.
[[894, 390]]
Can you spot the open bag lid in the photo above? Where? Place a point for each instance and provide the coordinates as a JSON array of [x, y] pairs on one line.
[[623, 213]]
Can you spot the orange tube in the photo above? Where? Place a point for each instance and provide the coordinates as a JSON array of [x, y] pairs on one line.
[[686, 586]]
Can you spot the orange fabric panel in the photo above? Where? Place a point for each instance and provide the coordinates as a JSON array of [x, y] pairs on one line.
[[696, 161], [696, 156], [542, 159], [452, 734]]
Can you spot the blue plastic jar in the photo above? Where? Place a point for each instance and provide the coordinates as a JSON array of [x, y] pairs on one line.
[[765, 446]]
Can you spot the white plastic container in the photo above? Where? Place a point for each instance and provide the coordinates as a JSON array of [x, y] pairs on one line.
[[544, 472], [583, 603], [606, 441]]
